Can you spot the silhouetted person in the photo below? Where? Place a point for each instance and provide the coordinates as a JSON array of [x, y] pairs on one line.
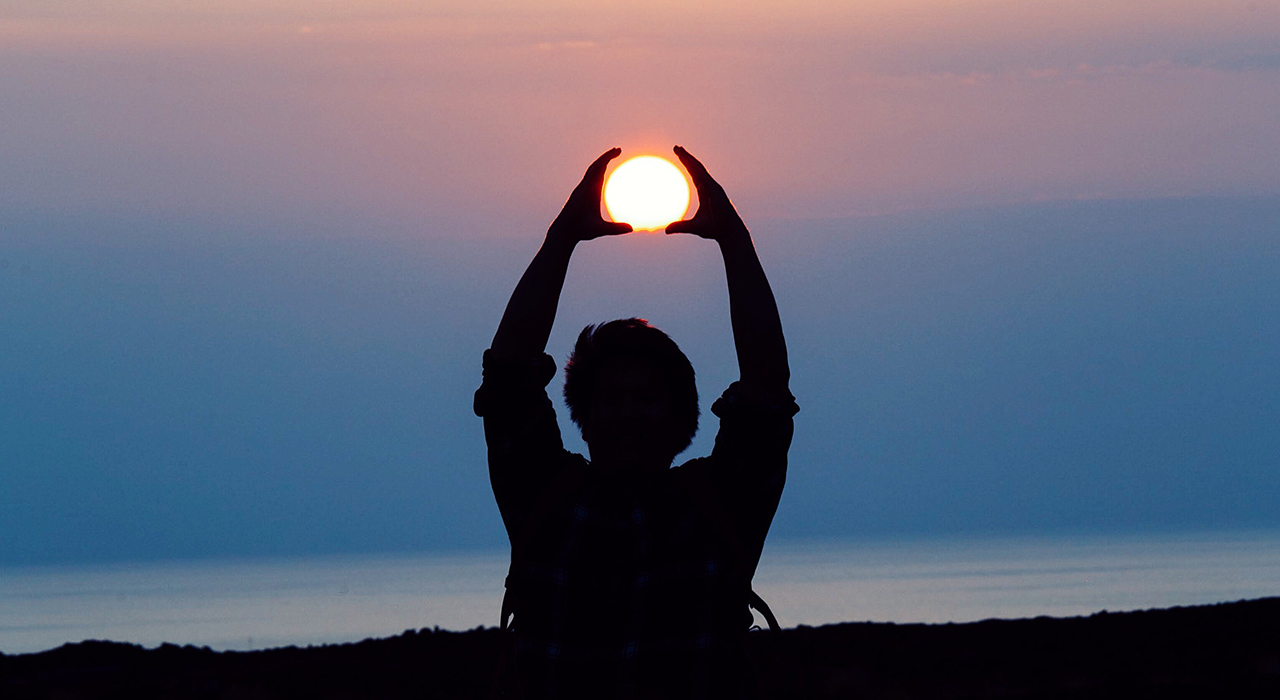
[[631, 578]]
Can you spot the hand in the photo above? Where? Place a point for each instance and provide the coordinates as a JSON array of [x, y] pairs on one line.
[[716, 218], [580, 219]]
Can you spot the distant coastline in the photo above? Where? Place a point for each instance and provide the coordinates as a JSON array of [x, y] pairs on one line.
[[1223, 650], [247, 605]]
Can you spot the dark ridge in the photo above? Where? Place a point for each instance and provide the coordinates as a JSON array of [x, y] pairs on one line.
[[1229, 650]]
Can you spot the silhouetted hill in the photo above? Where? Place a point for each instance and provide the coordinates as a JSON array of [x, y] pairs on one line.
[[1226, 650]]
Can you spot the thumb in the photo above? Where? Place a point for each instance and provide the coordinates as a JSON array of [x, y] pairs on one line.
[[684, 226]]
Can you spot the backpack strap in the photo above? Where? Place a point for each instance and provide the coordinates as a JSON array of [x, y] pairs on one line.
[[702, 491], [561, 488], [755, 601]]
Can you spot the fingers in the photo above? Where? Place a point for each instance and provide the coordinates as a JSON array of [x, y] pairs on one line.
[[595, 174], [593, 182], [592, 185], [690, 163], [598, 166], [696, 169], [706, 185], [700, 176]]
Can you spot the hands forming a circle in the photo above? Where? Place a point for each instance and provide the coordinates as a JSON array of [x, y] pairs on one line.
[[716, 217], [580, 219]]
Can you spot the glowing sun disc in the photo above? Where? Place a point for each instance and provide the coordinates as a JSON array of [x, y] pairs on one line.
[[647, 192]]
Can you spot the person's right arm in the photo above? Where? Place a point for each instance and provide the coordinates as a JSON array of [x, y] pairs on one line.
[[530, 313], [525, 450]]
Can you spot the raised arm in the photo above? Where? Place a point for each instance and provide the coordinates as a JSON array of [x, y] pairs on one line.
[[757, 330], [526, 324]]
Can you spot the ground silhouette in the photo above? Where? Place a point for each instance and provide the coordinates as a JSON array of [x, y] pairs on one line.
[[1226, 650]]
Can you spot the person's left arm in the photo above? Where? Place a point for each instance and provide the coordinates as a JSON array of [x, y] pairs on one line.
[[749, 462], [757, 328]]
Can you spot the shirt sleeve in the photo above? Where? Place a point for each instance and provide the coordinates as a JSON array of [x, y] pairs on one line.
[[748, 465], [520, 430]]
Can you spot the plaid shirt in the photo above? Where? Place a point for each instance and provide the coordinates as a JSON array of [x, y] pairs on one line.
[[626, 585]]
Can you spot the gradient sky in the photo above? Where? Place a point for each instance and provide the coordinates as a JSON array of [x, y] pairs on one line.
[[1027, 255]]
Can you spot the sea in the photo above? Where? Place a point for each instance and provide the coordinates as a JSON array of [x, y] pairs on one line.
[[265, 603]]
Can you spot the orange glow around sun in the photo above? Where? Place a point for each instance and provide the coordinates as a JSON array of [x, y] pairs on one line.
[[647, 192]]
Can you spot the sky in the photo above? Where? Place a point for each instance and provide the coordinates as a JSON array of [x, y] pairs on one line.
[[1026, 255]]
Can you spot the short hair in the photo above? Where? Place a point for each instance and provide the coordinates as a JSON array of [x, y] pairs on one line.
[[633, 338]]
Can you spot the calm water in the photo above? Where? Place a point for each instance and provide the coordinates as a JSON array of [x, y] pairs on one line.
[[266, 603]]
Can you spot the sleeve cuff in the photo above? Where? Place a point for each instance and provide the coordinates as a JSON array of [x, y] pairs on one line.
[[734, 401], [506, 378]]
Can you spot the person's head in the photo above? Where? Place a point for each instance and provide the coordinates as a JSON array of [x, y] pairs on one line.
[[631, 392]]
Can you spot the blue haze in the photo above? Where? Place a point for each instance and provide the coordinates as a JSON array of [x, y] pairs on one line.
[[186, 388]]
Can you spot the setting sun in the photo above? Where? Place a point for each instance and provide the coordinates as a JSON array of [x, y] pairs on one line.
[[647, 192]]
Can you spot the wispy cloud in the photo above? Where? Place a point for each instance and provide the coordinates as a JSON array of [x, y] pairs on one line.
[[1252, 62], [568, 45]]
